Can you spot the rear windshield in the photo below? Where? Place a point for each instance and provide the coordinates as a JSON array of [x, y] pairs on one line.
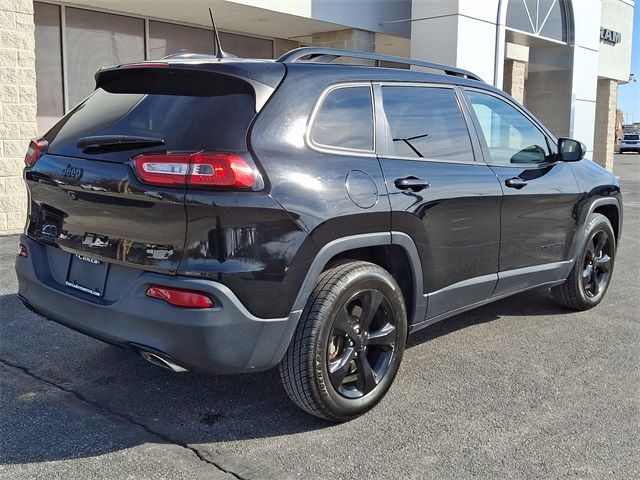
[[632, 137], [211, 119]]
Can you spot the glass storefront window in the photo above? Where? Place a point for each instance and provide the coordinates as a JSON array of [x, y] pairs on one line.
[[49, 88], [96, 39], [246, 47], [168, 38], [544, 18]]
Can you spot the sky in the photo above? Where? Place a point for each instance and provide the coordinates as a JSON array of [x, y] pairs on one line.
[[629, 94]]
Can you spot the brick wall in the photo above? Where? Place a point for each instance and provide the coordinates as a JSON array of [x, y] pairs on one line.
[[605, 135], [17, 108]]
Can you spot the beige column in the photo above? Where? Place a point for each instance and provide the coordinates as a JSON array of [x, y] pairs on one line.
[[605, 131], [17, 108], [282, 46], [515, 70], [514, 77], [351, 39]]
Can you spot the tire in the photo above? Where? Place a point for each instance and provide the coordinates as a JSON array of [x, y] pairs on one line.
[[592, 270], [324, 370]]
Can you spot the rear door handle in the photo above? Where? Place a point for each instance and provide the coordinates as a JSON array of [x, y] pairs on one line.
[[515, 182], [411, 183]]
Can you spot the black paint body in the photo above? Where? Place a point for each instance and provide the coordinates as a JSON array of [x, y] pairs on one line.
[[466, 226]]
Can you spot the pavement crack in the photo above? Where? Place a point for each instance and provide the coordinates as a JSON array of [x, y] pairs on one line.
[[121, 416]]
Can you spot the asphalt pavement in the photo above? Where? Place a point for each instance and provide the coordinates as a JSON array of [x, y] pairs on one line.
[[520, 388]]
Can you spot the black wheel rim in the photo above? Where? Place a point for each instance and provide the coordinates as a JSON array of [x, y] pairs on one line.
[[596, 268], [361, 344]]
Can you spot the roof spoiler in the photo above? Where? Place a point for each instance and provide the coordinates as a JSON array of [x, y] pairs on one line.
[[149, 77]]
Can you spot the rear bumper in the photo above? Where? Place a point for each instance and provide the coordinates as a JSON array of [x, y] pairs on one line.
[[223, 339]]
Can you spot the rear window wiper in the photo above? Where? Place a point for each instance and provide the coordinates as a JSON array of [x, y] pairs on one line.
[[116, 142]]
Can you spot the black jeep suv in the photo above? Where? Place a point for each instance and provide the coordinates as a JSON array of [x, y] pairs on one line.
[[228, 215]]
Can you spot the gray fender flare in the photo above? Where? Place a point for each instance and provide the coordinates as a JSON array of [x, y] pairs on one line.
[[578, 242]]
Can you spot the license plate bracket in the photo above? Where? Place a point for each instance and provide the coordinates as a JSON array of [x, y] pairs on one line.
[[87, 274]]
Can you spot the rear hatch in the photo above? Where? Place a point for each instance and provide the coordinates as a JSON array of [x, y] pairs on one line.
[[86, 195]]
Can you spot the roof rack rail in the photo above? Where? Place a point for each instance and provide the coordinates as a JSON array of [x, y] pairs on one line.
[[327, 55]]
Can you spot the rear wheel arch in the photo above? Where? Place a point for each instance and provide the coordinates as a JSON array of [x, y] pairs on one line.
[[393, 258], [392, 251]]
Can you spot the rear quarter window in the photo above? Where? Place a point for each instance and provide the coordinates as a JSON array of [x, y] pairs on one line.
[[344, 119]]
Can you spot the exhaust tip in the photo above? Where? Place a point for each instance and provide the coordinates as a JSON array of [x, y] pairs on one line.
[[161, 361]]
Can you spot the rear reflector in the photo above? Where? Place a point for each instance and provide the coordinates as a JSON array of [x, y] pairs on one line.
[[180, 298], [196, 169], [35, 151], [22, 250]]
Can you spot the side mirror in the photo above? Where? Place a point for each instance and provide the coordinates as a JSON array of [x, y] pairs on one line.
[[570, 150]]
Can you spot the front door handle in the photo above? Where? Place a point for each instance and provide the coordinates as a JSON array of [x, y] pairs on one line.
[[411, 183], [515, 182]]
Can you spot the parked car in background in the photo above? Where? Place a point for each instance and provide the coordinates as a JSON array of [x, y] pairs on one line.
[[630, 143], [228, 215]]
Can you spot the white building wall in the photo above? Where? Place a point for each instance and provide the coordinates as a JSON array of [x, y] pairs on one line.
[[587, 15], [614, 62], [383, 16], [461, 33]]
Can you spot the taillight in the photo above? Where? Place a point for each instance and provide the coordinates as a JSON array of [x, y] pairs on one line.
[[35, 151], [180, 298], [163, 169], [22, 250], [196, 169]]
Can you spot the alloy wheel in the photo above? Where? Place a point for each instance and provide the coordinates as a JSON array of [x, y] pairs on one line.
[[361, 344], [597, 264]]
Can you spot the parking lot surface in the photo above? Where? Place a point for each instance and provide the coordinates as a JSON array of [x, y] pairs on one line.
[[520, 388]]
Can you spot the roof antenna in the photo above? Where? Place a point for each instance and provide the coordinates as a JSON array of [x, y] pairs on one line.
[[217, 47]]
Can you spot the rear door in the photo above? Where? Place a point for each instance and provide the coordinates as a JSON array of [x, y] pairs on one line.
[[441, 195], [84, 194], [541, 195]]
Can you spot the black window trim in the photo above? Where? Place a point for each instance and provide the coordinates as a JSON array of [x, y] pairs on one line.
[[331, 148], [383, 149], [552, 143]]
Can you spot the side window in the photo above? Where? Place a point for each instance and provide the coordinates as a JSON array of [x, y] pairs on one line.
[[426, 122], [511, 137], [345, 119]]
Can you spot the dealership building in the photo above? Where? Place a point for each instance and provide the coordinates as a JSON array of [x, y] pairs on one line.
[[562, 59]]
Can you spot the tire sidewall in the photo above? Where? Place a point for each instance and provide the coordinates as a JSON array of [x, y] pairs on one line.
[[598, 222], [374, 278]]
